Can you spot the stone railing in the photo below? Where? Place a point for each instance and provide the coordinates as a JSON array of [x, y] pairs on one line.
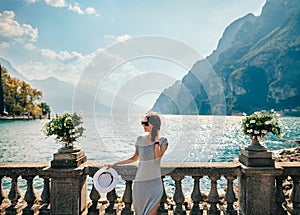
[[65, 189], [12, 201], [288, 181], [177, 172]]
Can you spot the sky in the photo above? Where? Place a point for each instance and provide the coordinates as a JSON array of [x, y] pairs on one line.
[[60, 38]]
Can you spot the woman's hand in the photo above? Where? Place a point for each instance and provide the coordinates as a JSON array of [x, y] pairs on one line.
[[108, 166]]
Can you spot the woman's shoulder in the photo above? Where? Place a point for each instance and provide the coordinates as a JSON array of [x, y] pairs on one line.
[[163, 140], [140, 139]]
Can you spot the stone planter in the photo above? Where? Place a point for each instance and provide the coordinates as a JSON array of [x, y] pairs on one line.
[[256, 155], [256, 146], [68, 157]]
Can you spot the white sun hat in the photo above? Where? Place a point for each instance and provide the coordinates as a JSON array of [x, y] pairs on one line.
[[105, 180]]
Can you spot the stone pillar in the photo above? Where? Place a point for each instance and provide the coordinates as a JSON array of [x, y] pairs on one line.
[[68, 195], [257, 181]]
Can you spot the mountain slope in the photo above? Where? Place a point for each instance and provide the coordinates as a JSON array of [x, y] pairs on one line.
[[257, 63], [12, 71], [58, 94]]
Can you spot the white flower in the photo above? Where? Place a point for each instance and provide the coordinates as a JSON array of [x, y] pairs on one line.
[[252, 121], [267, 123], [256, 132]]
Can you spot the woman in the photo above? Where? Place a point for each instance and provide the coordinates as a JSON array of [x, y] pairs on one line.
[[147, 187]]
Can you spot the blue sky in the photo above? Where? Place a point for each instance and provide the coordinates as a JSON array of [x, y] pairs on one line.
[[43, 38]]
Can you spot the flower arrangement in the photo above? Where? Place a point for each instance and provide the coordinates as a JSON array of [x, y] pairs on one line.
[[67, 128], [259, 124]]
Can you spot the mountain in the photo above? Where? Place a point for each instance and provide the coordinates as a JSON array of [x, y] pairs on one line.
[[57, 94], [62, 96], [12, 71], [255, 66]]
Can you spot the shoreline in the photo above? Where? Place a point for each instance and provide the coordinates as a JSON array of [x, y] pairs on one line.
[[16, 118], [288, 155]]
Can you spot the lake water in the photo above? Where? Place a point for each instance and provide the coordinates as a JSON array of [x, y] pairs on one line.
[[111, 138]]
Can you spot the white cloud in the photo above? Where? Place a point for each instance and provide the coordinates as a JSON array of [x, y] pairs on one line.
[[76, 8], [4, 45], [35, 70], [29, 46], [48, 53], [91, 11], [123, 37], [120, 38], [62, 55], [68, 71], [56, 3], [65, 56], [31, 1], [14, 31], [62, 3]]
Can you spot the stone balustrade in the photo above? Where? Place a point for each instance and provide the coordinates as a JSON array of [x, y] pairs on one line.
[[30, 202], [177, 172], [69, 186]]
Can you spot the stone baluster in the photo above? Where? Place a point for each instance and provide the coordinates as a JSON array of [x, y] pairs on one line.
[[280, 198], [196, 197], [45, 196], [213, 196], [178, 196], [127, 198], [296, 194], [94, 196], [13, 195], [230, 196], [2, 195], [30, 196], [112, 198], [162, 210]]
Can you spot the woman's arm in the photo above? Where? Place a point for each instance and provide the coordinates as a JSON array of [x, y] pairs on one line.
[[160, 150], [134, 158]]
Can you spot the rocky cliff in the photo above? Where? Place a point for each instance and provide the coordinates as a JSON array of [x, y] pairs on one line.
[[257, 64]]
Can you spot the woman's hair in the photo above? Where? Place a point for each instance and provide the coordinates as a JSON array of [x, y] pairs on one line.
[[155, 121]]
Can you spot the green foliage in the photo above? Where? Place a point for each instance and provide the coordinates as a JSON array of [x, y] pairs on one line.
[[259, 124], [19, 97], [45, 108], [67, 128]]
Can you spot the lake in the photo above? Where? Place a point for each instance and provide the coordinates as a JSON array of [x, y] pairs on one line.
[[111, 138]]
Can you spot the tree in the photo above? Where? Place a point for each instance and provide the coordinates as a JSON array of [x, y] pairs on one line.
[[19, 97], [45, 108], [1, 93]]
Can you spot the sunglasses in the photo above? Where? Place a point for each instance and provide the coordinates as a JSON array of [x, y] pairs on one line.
[[145, 123]]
